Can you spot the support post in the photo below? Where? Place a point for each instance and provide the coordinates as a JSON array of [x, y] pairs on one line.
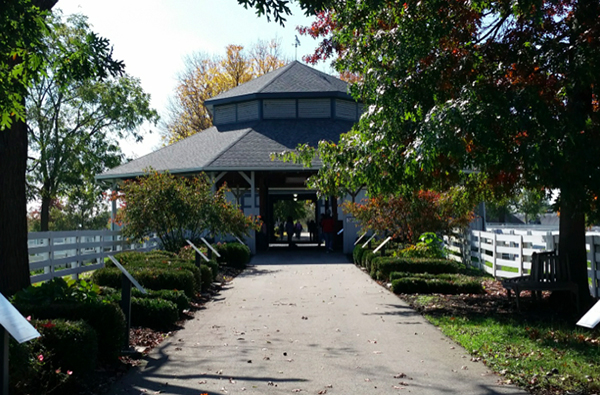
[[4, 360], [126, 307]]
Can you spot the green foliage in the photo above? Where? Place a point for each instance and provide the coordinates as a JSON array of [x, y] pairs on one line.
[[177, 208], [429, 246], [75, 121], [214, 268], [449, 284], [155, 313], [357, 254], [282, 209], [151, 278], [207, 277], [383, 266], [71, 345], [65, 352], [233, 254], [179, 298], [107, 319], [161, 260], [406, 217], [59, 290]]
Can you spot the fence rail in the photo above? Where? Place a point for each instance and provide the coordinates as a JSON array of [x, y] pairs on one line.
[[506, 253], [57, 254]]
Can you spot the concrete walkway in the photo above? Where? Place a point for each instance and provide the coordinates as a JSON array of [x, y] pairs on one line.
[[308, 322]]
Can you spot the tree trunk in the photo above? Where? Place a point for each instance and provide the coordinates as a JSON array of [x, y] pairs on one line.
[[14, 257], [45, 214], [572, 248]]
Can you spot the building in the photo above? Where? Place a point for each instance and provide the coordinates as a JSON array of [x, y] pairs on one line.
[[293, 105]]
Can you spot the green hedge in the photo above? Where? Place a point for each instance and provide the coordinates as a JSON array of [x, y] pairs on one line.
[[214, 268], [56, 362], [153, 313], [159, 260], [443, 285], [383, 266], [150, 278], [233, 254], [357, 254], [178, 297], [107, 319], [70, 345]]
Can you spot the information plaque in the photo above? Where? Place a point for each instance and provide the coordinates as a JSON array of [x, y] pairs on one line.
[[211, 247], [591, 318], [198, 251], [14, 323]]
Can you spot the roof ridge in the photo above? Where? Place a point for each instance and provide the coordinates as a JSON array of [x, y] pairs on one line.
[[282, 71]]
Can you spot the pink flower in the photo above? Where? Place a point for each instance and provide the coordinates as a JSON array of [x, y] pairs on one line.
[[28, 318], [69, 372], [41, 357]]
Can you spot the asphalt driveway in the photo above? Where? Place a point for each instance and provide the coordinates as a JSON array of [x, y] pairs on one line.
[[308, 322]]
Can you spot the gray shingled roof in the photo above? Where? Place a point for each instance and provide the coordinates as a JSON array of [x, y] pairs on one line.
[[295, 79], [235, 147]]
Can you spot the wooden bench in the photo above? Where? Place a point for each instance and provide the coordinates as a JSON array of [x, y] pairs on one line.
[[547, 274]]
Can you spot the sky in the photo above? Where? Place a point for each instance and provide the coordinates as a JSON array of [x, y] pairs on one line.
[[153, 37]]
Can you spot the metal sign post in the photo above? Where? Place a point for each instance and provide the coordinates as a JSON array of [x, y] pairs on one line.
[[126, 281], [198, 253], [13, 323], [211, 249], [4, 360], [368, 241]]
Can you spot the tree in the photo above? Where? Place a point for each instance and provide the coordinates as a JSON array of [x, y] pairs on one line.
[[177, 208], [406, 218], [76, 213], [282, 209], [22, 27], [207, 76], [508, 90], [74, 124]]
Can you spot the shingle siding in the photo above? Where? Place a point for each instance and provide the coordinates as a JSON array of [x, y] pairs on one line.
[[277, 109], [314, 108]]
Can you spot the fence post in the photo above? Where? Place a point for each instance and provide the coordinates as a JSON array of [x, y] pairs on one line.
[[479, 254], [77, 261], [50, 269], [494, 243], [593, 265], [520, 269]]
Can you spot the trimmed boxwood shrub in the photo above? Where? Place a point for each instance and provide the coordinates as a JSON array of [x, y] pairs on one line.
[[153, 313], [450, 284], [207, 277], [160, 260], [107, 319], [178, 297], [70, 345], [383, 266], [233, 254], [149, 277], [214, 268], [357, 254]]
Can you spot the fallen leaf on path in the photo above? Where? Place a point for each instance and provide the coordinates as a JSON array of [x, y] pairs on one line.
[[202, 382], [400, 376]]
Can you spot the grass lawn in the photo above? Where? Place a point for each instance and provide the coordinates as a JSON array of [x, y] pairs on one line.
[[538, 348]]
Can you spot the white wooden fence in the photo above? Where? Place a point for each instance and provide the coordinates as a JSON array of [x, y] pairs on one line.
[[506, 253], [57, 254]]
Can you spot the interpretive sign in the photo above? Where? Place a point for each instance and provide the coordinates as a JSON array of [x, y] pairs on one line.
[[370, 238], [360, 238], [127, 274], [382, 244], [591, 318], [127, 280], [198, 251], [13, 323], [210, 246]]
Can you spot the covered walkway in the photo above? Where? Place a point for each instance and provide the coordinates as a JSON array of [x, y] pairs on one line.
[[304, 321]]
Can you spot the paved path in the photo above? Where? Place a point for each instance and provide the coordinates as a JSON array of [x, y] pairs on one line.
[[309, 323]]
